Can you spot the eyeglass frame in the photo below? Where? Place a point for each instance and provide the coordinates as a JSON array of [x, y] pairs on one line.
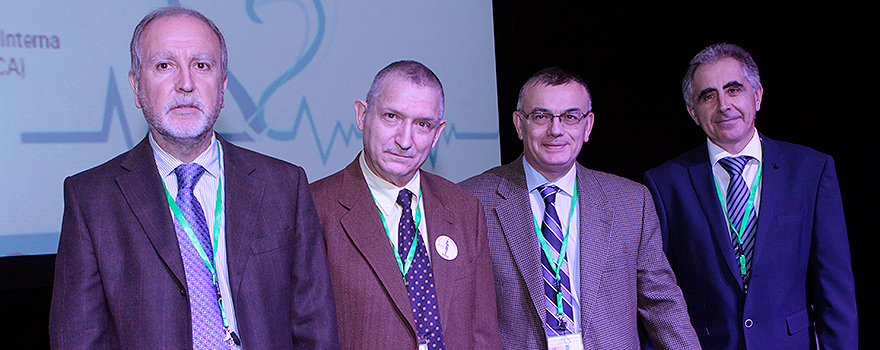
[[530, 119]]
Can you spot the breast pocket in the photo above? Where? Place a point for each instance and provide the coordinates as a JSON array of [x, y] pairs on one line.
[[272, 242]]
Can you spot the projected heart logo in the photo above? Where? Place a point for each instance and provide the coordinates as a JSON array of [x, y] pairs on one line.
[[254, 111]]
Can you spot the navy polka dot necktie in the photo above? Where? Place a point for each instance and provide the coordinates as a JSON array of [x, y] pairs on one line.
[[419, 278]]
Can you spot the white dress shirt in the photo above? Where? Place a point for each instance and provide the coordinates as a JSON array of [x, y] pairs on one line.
[[563, 205], [385, 196], [722, 178], [206, 192]]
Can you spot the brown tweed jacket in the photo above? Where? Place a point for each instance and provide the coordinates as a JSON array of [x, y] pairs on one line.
[[372, 303], [624, 273]]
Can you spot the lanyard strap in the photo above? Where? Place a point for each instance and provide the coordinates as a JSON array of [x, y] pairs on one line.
[[556, 266], [218, 211], [750, 203], [404, 265]]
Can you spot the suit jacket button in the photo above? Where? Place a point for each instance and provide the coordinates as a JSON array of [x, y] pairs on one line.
[[182, 292], [748, 323]]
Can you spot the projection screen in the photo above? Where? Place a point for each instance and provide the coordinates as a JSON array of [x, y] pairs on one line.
[[296, 67]]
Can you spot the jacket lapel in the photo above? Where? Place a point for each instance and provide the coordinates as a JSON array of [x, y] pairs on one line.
[[594, 232], [363, 226], [243, 194], [439, 222], [142, 189], [703, 181], [517, 223], [772, 180]]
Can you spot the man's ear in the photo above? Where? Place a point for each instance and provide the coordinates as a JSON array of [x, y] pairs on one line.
[[759, 95], [517, 123], [693, 113], [132, 80], [360, 112]]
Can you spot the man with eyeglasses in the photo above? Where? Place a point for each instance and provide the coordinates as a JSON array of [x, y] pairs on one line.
[[577, 254]]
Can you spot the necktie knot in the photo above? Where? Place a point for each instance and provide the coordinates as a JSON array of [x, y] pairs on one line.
[[548, 193], [404, 198], [188, 175], [734, 165]]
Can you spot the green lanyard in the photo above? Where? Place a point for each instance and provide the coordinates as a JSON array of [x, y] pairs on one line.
[[745, 219], [556, 266], [218, 211], [403, 265]]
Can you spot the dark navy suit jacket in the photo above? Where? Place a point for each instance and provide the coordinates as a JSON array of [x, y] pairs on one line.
[[119, 277], [802, 282]]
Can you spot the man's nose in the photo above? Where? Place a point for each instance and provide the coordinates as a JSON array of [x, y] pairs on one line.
[[185, 81], [404, 137]]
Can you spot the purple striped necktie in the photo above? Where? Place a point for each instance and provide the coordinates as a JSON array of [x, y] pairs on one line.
[[738, 194], [551, 229]]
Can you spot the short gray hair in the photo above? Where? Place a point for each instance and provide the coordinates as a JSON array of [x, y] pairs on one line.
[[414, 72], [553, 76], [713, 54], [168, 11]]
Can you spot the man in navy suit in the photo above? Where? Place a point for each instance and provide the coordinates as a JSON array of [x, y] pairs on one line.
[[753, 228], [187, 241]]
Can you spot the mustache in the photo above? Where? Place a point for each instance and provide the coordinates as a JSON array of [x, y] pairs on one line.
[[185, 101], [409, 153]]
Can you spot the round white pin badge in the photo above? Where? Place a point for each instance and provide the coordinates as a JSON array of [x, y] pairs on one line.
[[446, 247]]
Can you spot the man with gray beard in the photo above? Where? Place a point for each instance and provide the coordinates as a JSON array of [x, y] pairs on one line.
[[188, 241]]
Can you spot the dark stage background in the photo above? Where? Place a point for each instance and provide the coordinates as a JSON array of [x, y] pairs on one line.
[[816, 68]]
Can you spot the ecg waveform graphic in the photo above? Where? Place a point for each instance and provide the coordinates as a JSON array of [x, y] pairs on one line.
[[113, 105]]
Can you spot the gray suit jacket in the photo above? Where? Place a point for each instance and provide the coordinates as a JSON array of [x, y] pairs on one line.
[[624, 273]]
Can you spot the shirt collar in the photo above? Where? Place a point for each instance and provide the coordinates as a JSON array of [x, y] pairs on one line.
[[753, 149], [534, 179], [384, 192], [167, 163]]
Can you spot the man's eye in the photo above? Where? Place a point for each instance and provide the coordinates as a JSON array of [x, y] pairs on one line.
[[540, 116], [707, 97], [570, 117], [424, 125], [163, 65], [202, 65]]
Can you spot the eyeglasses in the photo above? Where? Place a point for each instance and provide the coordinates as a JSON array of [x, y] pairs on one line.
[[543, 118]]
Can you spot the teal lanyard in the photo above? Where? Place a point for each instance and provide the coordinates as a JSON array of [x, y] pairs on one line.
[[556, 266], [218, 211], [745, 219], [404, 265]]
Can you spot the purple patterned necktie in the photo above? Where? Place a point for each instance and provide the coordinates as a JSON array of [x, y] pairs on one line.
[[207, 326], [552, 231], [419, 277], [737, 198]]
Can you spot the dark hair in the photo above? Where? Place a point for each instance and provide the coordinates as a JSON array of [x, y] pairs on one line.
[[553, 76], [414, 72], [713, 54]]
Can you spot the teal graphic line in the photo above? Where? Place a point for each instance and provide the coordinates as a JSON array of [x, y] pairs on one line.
[[113, 103], [252, 112], [347, 134]]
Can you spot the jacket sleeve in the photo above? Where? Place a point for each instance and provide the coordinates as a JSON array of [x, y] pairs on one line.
[[830, 268], [79, 317], [313, 311], [662, 307]]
